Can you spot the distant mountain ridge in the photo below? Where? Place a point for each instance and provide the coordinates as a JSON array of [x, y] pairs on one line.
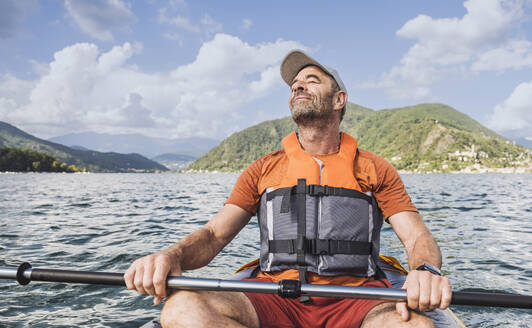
[[421, 138], [136, 143], [94, 161], [174, 162], [524, 142]]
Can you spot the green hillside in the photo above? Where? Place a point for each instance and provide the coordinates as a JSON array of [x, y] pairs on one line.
[[92, 161], [27, 160], [242, 148], [422, 138]]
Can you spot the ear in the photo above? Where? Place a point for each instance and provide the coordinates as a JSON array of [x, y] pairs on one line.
[[339, 100]]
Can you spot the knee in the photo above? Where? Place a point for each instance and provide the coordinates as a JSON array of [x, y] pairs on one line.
[[385, 315], [420, 320], [180, 307]]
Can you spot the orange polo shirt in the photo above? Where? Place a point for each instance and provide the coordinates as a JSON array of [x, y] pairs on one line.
[[372, 172]]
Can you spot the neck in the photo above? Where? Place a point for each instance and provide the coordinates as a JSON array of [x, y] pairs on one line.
[[319, 140]]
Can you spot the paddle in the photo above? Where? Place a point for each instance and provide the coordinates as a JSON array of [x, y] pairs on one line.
[[286, 288]]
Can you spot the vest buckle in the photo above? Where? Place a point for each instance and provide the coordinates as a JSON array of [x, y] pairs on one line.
[[317, 190], [320, 246]]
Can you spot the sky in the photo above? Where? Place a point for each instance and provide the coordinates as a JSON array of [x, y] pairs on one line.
[[183, 68]]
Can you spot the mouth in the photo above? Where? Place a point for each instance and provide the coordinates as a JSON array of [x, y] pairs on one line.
[[301, 97]]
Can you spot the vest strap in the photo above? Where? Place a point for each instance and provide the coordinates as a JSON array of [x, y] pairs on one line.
[[301, 201], [301, 221], [315, 190], [303, 280], [321, 246], [287, 200]]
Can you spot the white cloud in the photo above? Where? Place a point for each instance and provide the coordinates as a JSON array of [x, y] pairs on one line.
[[177, 21], [174, 36], [135, 114], [451, 40], [443, 46], [517, 54], [13, 95], [268, 79], [246, 24], [210, 25], [178, 3], [15, 89], [39, 68], [99, 17], [180, 23], [86, 89], [515, 113], [132, 114]]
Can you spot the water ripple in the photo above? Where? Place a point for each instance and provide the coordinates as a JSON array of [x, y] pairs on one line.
[[103, 222]]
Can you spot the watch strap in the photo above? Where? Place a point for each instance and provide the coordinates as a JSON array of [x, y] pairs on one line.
[[429, 268]]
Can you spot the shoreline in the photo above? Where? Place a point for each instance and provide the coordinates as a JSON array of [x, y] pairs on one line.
[[504, 170], [467, 170], [476, 170]]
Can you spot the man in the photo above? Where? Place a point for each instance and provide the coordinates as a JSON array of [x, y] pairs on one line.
[[319, 203]]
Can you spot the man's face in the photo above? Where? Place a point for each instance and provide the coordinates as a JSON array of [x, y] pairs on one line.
[[312, 95]]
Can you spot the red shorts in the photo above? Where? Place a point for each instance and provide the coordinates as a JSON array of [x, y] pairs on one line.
[[275, 311]]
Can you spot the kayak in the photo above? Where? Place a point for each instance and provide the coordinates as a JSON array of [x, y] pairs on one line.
[[394, 272]]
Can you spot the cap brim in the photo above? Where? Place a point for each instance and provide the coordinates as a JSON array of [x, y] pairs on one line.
[[294, 62]]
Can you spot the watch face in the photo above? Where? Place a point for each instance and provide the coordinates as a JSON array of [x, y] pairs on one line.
[[429, 268]]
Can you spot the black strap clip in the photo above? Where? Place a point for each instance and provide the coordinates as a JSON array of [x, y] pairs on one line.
[[289, 288], [321, 247], [317, 190]]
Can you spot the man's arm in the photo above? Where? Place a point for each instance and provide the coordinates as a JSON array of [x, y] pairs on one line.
[[424, 289], [418, 241], [148, 274]]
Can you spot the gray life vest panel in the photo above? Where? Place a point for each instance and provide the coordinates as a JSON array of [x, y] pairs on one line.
[[342, 230], [318, 228]]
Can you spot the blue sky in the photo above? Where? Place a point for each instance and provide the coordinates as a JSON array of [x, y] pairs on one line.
[[210, 68]]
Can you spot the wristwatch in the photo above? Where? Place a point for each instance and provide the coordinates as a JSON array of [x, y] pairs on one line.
[[429, 268]]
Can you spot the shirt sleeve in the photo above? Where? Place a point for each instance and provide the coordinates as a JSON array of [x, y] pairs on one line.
[[245, 191], [390, 191]]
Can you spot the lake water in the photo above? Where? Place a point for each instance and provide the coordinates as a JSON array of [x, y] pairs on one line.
[[102, 222]]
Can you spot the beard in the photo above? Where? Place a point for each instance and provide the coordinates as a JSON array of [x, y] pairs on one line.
[[315, 110]]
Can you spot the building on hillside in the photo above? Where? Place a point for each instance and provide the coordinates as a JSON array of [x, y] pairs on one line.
[[466, 155]]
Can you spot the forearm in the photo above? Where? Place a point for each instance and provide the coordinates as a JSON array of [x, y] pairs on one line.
[[200, 247], [196, 249], [423, 250], [148, 274], [418, 241], [424, 289]]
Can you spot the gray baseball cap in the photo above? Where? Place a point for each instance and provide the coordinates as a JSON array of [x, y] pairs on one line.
[[296, 60]]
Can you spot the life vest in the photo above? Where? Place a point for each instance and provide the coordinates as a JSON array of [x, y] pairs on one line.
[[318, 219]]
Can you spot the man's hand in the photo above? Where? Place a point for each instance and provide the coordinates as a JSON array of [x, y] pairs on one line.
[[148, 274], [425, 291]]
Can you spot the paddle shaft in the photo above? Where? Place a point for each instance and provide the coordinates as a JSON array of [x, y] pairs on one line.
[[287, 288]]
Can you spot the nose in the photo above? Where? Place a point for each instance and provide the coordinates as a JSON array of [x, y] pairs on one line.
[[298, 86]]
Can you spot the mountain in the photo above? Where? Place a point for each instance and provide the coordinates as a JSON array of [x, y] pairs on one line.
[[242, 148], [173, 158], [174, 162], [422, 138], [79, 147], [524, 142], [93, 161], [137, 143]]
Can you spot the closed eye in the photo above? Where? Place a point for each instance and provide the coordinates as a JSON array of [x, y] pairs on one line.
[[311, 78]]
